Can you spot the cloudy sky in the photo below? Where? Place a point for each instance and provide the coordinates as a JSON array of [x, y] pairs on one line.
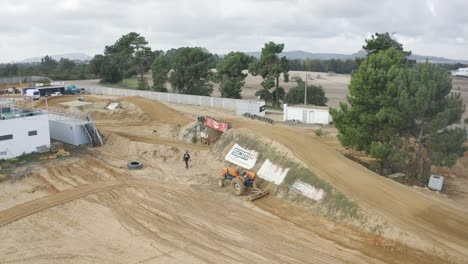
[[31, 28]]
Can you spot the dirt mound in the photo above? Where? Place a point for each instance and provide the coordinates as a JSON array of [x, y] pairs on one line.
[[158, 111], [187, 133], [127, 112], [55, 101], [334, 205]]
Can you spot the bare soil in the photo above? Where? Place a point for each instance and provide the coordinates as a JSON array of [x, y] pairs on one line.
[[89, 208]]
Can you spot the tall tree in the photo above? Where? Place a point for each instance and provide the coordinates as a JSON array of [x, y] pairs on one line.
[[110, 71], [160, 70], [95, 65], [271, 67], [428, 110], [131, 53], [191, 68], [399, 113], [383, 41], [48, 65], [229, 72]]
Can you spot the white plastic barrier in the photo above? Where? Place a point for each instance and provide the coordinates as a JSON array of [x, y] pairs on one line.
[[308, 190], [216, 102], [242, 157], [272, 172]]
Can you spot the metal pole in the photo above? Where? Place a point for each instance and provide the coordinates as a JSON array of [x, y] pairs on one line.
[[46, 104], [305, 90]]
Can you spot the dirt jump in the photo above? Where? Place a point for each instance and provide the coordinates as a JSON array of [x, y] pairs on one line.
[[89, 208]]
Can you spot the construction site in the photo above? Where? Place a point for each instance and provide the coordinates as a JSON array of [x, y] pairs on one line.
[[117, 190]]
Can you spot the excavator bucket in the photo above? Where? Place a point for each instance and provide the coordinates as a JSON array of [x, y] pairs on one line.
[[258, 195]]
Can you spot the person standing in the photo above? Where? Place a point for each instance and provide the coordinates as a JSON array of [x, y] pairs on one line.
[[186, 159]]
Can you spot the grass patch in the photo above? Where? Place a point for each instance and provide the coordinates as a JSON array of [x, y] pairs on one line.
[[335, 205], [319, 132], [8, 165], [22, 159]]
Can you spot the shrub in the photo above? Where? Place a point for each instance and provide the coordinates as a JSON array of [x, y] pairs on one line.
[[319, 132], [315, 95]]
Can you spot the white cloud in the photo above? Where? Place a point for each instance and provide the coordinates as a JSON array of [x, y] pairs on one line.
[[30, 28]]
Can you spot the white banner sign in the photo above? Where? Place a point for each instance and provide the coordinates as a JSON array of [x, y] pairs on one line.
[[272, 172], [242, 157], [308, 190]]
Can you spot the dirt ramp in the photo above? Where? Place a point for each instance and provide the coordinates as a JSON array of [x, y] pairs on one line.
[[127, 112], [158, 111]]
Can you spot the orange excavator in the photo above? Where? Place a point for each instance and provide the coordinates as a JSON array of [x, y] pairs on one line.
[[241, 182]]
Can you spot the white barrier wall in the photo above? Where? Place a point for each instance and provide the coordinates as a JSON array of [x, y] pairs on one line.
[[27, 134], [251, 107], [225, 103]]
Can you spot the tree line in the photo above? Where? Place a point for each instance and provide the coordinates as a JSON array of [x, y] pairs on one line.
[[316, 65], [194, 70], [63, 69]]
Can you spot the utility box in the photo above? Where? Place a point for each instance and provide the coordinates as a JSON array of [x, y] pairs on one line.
[[436, 182]]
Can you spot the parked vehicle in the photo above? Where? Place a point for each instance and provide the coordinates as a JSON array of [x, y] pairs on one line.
[[71, 89], [57, 94], [32, 94]]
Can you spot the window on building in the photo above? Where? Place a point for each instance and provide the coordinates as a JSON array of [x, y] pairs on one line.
[[6, 137], [32, 133]]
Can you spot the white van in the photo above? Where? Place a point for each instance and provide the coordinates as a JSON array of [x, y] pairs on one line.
[[32, 94]]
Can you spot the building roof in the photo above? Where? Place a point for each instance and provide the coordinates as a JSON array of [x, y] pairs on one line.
[[318, 107], [11, 111]]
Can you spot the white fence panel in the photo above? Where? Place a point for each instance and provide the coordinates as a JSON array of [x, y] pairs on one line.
[[216, 102]]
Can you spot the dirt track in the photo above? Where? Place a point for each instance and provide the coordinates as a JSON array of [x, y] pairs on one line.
[[189, 227], [95, 211]]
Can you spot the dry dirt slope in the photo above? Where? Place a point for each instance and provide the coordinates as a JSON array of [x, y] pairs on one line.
[[402, 207]]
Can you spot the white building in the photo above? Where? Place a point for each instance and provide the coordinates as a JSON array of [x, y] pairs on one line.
[[460, 72], [308, 114], [22, 131]]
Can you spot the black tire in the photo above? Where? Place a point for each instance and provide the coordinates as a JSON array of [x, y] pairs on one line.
[[135, 165], [221, 183], [237, 187]]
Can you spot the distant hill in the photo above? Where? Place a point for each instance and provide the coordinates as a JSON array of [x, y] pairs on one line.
[[302, 55], [70, 56]]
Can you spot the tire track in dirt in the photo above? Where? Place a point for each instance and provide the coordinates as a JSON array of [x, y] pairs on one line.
[[162, 141], [23, 210], [187, 223]]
